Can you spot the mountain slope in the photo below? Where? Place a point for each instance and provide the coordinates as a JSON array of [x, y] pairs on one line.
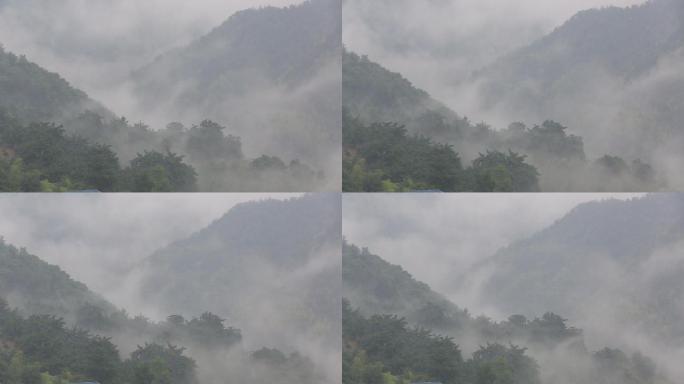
[[385, 304], [610, 74], [627, 253], [375, 286], [375, 94], [265, 73], [273, 258], [625, 41], [274, 45], [36, 287], [32, 94]]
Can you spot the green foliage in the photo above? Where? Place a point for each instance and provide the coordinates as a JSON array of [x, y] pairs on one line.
[[384, 156], [207, 143], [379, 287], [41, 287], [497, 364], [50, 347], [500, 172], [157, 172], [208, 330], [548, 141], [43, 350], [33, 94], [384, 349], [157, 364], [14, 177], [43, 158]]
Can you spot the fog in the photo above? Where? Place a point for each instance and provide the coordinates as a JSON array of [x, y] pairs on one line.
[[96, 44], [455, 231], [607, 77], [461, 244], [153, 62], [97, 238], [436, 44], [108, 243]]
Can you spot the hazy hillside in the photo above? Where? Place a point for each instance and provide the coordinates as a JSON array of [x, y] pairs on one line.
[[54, 330], [375, 94], [270, 74], [36, 287], [254, 105], [623, 252], [396, 325], [32, 94], [262, 262], [375, 286], [609, 74]]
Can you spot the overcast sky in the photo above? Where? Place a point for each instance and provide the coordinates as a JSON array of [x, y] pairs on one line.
[[96, 237], [437, 236], [436, 43]]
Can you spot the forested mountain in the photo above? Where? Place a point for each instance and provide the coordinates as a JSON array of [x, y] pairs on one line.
[[32, 94], [622, 43], [375, 94], [273, 45], [398, 330], [268, 75], [260, 262], [36, 287], [374, 286], [271, 74], [387, 123], [51, 147], [53, 330], [623, 252], [611, 74]]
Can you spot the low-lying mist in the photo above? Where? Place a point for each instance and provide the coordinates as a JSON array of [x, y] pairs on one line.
[[208, 60], [247, 329], [531, 62], [97, 44], [497, 256]]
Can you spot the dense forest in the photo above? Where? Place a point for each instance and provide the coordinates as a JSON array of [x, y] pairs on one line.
[[42, 157], [89, 149], [44, 349], [397, 138], [97, 149], [397, 330], [384, 157]]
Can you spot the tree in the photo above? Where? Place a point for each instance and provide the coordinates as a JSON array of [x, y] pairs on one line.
[[157, 172], [162, 365], [499, 172], [207, 142]]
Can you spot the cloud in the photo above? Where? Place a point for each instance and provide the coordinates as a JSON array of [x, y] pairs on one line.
[[436, 237], [98, 238], [436, 43], [95, 44]]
